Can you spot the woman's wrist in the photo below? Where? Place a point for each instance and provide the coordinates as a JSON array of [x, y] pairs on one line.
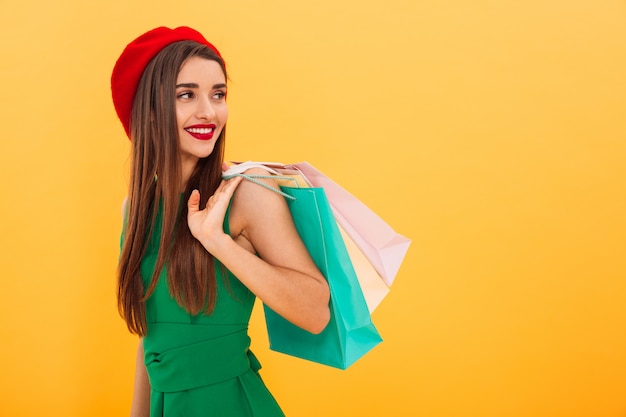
[[217, 244]]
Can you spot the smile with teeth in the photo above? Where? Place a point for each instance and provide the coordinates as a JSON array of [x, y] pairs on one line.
[[200, 130]]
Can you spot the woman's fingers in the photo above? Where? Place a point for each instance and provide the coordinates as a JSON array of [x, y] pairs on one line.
[[206, 224], [227, 188], [193, 204], [223, 193]]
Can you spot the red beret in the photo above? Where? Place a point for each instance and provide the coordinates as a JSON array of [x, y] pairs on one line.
[[134, 59]]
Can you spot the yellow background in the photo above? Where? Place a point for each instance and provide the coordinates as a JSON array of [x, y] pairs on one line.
[[491, 132]]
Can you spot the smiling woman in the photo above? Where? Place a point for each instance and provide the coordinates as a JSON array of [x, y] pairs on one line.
[[201, 110], [189, 273]]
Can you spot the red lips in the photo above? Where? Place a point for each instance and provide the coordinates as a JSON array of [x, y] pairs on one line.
[[201, 132]]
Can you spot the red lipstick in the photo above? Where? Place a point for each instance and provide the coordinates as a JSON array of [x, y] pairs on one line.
[[201, 132]]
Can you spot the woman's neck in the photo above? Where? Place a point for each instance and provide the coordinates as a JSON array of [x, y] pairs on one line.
[[187, 170]]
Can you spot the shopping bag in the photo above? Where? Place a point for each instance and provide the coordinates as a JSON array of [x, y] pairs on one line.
[[381, 250], [384, 247], [372, 284], [350, 333]]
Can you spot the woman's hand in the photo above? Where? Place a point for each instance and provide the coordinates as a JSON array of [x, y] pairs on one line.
[[207, 225]]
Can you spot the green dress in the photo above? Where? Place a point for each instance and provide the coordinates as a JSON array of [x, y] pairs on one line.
[[201, 365]]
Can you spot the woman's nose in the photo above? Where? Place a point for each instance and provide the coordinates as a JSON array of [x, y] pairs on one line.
[[205, 109]]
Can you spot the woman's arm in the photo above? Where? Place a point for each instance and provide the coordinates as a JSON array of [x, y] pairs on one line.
[[283, 276], [141, 395]]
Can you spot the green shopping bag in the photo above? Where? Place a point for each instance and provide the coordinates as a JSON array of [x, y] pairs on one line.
[[350, 333]]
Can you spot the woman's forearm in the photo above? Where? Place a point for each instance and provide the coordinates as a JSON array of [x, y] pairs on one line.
[[297, 296], [141, 394]]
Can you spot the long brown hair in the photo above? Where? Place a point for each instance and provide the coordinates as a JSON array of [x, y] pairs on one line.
[[156, 177]]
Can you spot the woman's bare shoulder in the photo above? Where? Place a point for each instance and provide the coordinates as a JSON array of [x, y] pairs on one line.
[[255, 202]]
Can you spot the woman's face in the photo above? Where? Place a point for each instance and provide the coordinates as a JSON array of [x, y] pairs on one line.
[[201, 110]]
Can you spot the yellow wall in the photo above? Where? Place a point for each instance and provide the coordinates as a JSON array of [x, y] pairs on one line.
[[491, 132]]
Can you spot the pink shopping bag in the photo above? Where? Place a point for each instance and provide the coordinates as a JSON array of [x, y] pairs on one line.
[[375, 249], [383, 247]]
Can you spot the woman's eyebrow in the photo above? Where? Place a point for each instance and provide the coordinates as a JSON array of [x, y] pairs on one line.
[[194, 85]]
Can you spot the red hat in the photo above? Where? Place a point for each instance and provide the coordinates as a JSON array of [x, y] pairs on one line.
[[134, 59]]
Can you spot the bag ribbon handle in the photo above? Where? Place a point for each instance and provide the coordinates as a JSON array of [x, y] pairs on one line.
[[255, 179]]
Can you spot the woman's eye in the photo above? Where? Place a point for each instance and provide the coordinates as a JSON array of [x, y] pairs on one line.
[[186, 95], [219, 95]]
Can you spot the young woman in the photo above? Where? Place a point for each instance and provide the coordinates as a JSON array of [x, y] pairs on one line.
[[196, 250]]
